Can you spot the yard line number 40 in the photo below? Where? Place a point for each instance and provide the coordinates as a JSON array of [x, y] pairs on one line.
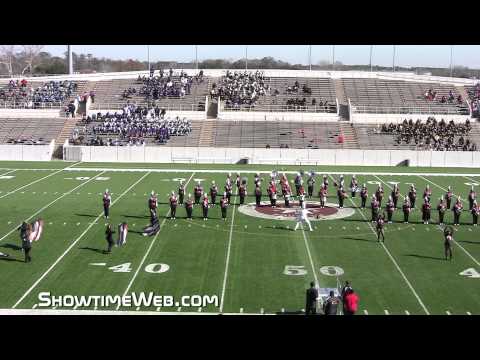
[[156, 268]]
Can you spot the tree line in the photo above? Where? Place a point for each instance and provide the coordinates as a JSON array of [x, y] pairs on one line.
[[31, 60]]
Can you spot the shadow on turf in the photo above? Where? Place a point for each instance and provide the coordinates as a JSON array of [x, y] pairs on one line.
[[8, 258], [87, 215], [359, 239], [100, 251], [11, 246], [280, 228], [136, 216], [469, 242], [298, 312], [426, 257]]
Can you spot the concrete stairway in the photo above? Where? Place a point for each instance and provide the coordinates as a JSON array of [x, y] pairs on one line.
[[66, 131], [350, 136], [206, 133], [342, 100]]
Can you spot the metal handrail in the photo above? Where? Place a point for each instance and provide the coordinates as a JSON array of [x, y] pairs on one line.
[[167, 107], [283, 108], [24, 105], [361, 109]]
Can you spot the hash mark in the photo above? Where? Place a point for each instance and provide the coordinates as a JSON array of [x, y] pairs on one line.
[[241, 310], [283, 310], [469, 313], [179, 308], [366, 312], [138, 308], [386, 312], [448, 313], [158, 308], [406, 312], [34, 306], [262, 311], [9, 222], [199, 309]]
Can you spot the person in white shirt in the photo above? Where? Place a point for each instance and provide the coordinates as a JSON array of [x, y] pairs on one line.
[[302, 217]]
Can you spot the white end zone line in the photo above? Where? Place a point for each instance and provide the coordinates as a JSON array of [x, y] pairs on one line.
[[454, 241], [149, 248], [393, 260], [34, 182], [51, 203], [362, 173], [74, 243], [227, 261]]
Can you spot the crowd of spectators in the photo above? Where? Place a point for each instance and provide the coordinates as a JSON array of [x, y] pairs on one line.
[[474, 95], [452, 98], [240, 88], [21, 93], [432, 134], [134, 124], [164, 85]]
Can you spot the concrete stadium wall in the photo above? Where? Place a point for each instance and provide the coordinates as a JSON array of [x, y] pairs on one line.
[[361, 118], [274, 116], [29, 113], [205, 155], [27, 152]]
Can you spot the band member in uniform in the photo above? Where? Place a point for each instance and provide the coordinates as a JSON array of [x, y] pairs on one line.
[[426, 207], [427, 193], [173, 205], [197, 193], [341, 182], [442, 207], [107, 200], [238, 182], [272, 190], [448, 197], [375, 206], [25, 230], [412, 196], [406, 209], [189, 207], [181, 192], [301, 196], [395, 195], [122, 233], [284, 185], [242, 190], [325, 182], [228, 189], [380, 227], [323, 196], [298, 182], [258, 193], [287, 200], [448, 234], [223, 206], [257, 179], [213, 193], [273, 199], [354, 186], [472, 196], [310, 184], [109, 237], [302, 217], [390, 207], [379, 195], [205, 206], [457, 211], [364, 195], [341, 194], [153, 202], [475, 212]]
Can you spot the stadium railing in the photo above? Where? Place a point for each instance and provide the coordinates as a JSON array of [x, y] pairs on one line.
[[24, 105], [167, 107], [372, 109], [283, 108]]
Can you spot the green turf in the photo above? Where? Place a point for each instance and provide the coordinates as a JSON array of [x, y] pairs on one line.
[[408, 274]]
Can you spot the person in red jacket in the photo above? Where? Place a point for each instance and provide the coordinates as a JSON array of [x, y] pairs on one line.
[[351, 302]]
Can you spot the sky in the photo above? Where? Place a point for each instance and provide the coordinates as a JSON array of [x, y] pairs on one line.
[[382, 55]]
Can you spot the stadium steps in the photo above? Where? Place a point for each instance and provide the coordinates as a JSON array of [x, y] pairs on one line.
[[350, 136], [206, 133], [67, 130]]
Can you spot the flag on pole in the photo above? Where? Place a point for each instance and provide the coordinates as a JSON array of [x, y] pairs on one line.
[[37, 229], [122, 234]]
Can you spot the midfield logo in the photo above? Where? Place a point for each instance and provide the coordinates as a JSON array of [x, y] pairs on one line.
[[280, 212]]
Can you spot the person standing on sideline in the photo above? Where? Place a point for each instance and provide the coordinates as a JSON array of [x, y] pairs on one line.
[[25, 230], [109, 237], [330, 307], [311, 300], [351, 302], [345, 288], [107, 201]]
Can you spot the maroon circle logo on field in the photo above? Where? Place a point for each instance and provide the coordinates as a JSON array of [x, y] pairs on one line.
[[280, 212]]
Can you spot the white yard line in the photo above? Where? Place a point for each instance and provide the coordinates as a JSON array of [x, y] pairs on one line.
[[320, 171], [227, 261], [34, 182], [454, 241], [149, 249], [8, 172], [393, 260], [51, 203], [74, 243], [317, 284]]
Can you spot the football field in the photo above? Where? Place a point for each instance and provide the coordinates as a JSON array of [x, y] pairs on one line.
[[254, 263]]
